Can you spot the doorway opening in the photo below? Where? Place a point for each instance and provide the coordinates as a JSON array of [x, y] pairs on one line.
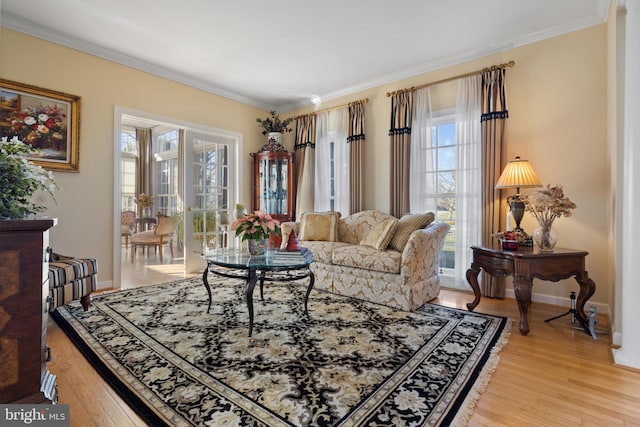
[[187, 171]]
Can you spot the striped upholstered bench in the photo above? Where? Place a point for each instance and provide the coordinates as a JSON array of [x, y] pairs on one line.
[[70, 279]]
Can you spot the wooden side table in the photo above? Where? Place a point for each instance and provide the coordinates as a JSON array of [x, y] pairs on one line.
[[524, 265], [144, 223]]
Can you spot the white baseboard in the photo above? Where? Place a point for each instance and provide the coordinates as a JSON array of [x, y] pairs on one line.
[[101, 286], [623, 359], [616, 338], [564, 302]]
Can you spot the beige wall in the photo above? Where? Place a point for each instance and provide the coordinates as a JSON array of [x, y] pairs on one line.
[[557, 120], [84, 204], [557, 105]]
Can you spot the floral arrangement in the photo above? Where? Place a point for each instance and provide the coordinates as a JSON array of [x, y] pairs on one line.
[[20, 179], [40, 126], [258, 225], [144, 200], [547, 204], [274, 124]]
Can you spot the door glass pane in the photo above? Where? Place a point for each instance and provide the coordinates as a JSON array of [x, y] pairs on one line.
[[210, 195], [281, 189]]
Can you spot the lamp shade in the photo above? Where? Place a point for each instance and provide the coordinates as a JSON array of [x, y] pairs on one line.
[[518, 173]]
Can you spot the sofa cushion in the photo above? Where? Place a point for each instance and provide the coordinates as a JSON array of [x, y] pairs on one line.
[[65, 270], [368, 258], [353, 228], [407, 225], [322, 250], [380, 235], [319, 226]]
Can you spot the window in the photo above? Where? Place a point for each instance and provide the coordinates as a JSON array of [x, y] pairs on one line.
[[211, 174], [445, 171], [437, 186], [332, 162], [332, 180], [165, 153], [211, 189], [129, 149]]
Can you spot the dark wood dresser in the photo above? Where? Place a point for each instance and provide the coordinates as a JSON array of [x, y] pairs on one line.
[[24, 293]]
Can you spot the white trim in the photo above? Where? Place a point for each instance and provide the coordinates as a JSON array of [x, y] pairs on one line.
[[616, 337], [564, 302], [104, 285], [625, 359], [116, 278]]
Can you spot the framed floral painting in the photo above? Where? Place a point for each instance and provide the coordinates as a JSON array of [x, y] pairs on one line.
[[45, 119]]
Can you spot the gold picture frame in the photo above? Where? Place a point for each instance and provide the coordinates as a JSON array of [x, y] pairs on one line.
[[46, 119]]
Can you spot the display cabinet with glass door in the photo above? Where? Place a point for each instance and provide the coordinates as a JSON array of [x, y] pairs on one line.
[[273, 189]]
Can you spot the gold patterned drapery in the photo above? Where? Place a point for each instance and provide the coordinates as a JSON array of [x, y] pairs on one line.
[[400, 143], [356, 140], [143, 164], [305, 163], [493, 119]]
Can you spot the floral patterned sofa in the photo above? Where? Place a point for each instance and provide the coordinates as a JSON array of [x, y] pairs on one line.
[[397, 266]]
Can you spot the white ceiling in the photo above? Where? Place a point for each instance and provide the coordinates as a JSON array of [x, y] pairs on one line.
[[282, 53]]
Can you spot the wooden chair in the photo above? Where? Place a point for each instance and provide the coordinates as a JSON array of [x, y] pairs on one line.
[[162, 234], [127, 226]]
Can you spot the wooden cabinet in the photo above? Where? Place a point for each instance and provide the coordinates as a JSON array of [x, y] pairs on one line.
[[273, 184], [24, 293]]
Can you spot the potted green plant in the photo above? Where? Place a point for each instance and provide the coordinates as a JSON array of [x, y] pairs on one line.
[[275, 124], [274, 127], [20, 179]]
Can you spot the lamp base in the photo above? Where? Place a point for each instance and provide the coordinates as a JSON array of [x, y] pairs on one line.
[[517, 209]]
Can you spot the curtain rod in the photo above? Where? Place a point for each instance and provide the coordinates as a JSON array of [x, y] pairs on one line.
[[473, 73], [361, 101]]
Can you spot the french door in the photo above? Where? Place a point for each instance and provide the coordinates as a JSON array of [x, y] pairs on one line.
[[210, 192]]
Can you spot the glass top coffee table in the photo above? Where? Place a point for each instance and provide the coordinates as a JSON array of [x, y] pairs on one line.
[[281, 266]]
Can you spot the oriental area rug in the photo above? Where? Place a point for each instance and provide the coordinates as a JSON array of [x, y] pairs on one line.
[[348, 363]]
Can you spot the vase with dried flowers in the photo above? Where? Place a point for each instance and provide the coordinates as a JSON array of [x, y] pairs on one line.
[[256, 228], [20, 179], [546, 205], [145, 202]]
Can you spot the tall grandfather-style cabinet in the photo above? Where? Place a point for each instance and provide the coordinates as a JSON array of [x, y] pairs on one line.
[[24, 293], [273, 187]]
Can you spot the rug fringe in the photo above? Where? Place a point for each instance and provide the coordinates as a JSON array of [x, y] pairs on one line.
[[464, 414]]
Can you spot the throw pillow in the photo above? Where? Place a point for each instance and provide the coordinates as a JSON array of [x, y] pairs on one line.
[[319, 226], [380, 235], [407, 225]]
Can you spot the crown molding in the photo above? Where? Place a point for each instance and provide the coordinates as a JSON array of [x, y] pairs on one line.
[[19, 24], [459, 58], [25, 26]]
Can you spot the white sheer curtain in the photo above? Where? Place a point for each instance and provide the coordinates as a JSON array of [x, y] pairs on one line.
[[469, 174], [332, 129], [422, 187]]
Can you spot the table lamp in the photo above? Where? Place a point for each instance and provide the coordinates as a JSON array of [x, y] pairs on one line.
[[518, 173]]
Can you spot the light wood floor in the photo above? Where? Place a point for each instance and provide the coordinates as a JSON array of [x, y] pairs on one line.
[[555, 376]]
